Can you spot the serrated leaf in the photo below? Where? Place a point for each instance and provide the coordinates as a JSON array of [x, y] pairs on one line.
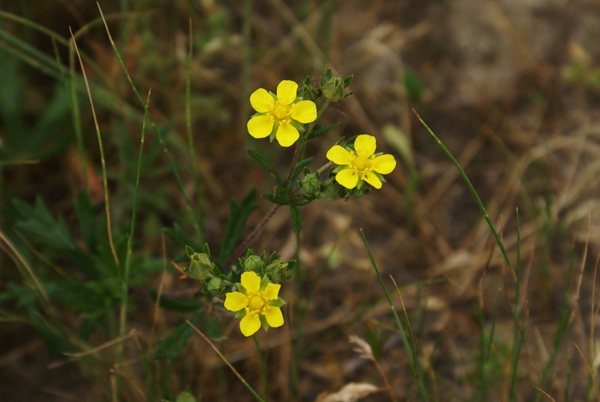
[[238, 215], [322, 130], [185, 305], [265, 163], [170, 347], [54, 234], [296, 219]]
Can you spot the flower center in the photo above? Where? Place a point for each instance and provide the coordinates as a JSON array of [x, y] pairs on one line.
[[280, 112], [361, 163], [256, 303]]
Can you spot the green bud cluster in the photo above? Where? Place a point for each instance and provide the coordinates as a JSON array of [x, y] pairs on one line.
[[274, 268], [315, 188]]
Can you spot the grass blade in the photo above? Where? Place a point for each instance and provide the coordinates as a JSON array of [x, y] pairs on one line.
[[410, 349], [471, 189], [186, 199], [106, 203]]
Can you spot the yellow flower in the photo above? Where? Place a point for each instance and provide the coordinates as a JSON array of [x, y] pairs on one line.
[[280, 114], [258, 302], [361, 164]]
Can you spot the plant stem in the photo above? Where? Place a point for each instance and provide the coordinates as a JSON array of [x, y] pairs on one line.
[[240, 249], [410, 349], [102, 159], [471, 189], [238, 375], [263, 368], [188, 118]]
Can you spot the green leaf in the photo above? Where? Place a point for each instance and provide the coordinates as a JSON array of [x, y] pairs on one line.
[[265, 163], [296, 219], [180, 237], [238, 215], [170, 347], [301, 165], [185, 305], [186, 396], [413, 85], [322, 130], [280, 200], [213, 329], [189, 251], [54, 234], [348, 80], [86, 216]]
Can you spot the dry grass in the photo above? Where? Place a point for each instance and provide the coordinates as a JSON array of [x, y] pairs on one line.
[[497, 90]]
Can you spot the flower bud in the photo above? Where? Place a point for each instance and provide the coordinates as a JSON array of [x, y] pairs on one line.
[[200, 265], [311, 184], [253, 263]]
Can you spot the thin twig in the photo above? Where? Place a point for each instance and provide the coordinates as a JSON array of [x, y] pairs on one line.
[[592, 376], [240, 249], [544, 393], [238, 375]]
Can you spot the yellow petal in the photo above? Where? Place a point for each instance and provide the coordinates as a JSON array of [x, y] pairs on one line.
[[347, 178], [365, 145], [286, 134], [260, 126], [251, 281], [286, 92], [272, 291], [235, 301], [262, 101], [274, 317], [304, 111], [372, 179], [384, 164], [250, 324], [340, 155]]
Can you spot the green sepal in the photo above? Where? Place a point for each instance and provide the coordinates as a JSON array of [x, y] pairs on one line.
[[189, 251], [214, 284], [264, 281], [277, 303], [264, 323], [273, 257], [348, 80]]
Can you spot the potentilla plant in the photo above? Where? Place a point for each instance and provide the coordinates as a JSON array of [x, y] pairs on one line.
[[250, 285]]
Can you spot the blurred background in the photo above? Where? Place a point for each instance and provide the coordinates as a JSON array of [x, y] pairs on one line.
[[510, 87]]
